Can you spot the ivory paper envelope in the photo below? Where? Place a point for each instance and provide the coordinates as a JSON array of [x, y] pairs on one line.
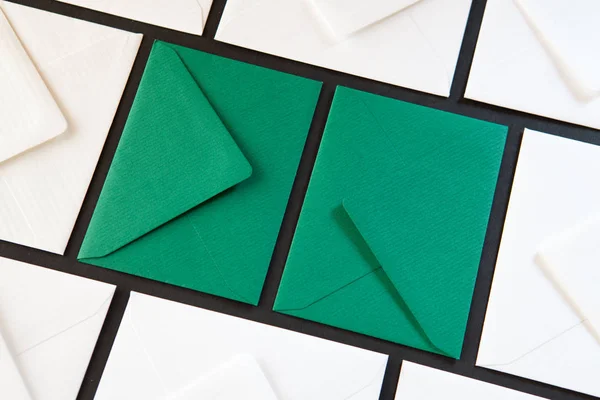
[[28, 112], [418, 382], [540, 57], [391, 232], [410, 43], [200, 181], [181, 15], [50, 322], [240, 378], [531, 329], [85, 68], [12, 385], [163, 346]]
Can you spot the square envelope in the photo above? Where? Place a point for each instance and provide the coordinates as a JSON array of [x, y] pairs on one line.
[[391, 232], [165, 350], [546, 280], [200, 181], [410, 43]]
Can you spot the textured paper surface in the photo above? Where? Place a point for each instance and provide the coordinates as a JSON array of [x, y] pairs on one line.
[[51, 321], [240, 378], [86, 67], [572, 261], [512, 67], [530, 329], [163, 346], [418, 382], [28, 113], [416, 48], [193, 146], [12, 385], [390, 236], [181, 15]]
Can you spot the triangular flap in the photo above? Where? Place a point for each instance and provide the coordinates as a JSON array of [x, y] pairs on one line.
[[345, 17], [175, 153], [570, 33], [438, 297]]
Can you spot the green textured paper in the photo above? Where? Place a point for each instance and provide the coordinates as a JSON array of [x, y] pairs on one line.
[[200, 180], [391, 232]]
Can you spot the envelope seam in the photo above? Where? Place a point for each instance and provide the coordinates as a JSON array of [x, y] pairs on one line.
[[78, 51], [11, 193], [382, 367]]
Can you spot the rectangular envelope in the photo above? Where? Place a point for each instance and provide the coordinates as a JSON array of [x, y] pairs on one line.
[[85, 67], [418, 382], [50, 322], [163, 346], [531, 328], [391, 231], [200, 181], [540, 57], [410, 43], [181, 15]]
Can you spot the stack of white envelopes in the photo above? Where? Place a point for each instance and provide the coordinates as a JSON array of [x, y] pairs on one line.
[[60, 87], [410, 43], [170, 351], [49, 325], [542, 319]]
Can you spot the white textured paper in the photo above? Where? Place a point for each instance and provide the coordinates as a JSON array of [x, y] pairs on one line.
[[28, 113], [11, 383], [181, 15], [163, 346], [86, 67], [530, 329], [51, 321], [571, 260], [240, 378], [512, 67], [423, 383], [417, 47]]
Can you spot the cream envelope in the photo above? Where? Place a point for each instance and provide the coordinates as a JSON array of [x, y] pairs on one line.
[[28, 113], [181, 15], [51, 322], [163, 347], [85, 67], [531, 329], [540, 57], [410, 43], [11, 383], [240, 378], [423, 383]]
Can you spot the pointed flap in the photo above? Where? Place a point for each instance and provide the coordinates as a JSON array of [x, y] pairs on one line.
[[572, 261], [12, 385], [240, 378], [175, 153], [345, 17], [29, 114], [570, 33]]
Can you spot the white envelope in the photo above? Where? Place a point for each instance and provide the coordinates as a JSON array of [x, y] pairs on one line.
[[51, 322], [531, 329], [29, 115], [163, 347], [181, 15], [85, 67], [423, 383], [410, 43], [540, 57], [240, 378], [12, 385]]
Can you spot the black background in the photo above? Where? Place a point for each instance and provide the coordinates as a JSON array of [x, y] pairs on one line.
[[455, 103]]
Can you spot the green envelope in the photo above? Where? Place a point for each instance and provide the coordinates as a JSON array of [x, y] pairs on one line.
[[197, 190], [391, 232]]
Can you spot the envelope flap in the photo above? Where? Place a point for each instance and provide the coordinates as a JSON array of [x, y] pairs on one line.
[[345, 17], [570, 33], [12, 385], [29, 114], [572, 261], [175, 153]]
